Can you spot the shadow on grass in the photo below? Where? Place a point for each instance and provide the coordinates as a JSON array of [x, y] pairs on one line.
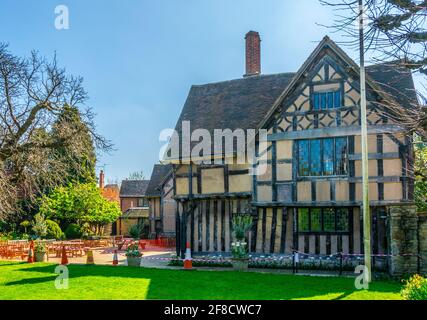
[[182, 285]]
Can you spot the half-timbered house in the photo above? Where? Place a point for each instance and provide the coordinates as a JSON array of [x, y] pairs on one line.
[[161, 202], [309, 198]]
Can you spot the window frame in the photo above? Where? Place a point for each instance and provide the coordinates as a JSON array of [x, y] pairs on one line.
[[320, 97], [144, 202], [322, 162], [336, 231]]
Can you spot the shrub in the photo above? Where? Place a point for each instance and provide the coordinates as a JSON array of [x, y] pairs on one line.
[[40, 247], [39, 225], [239, 250], [53, 230], [133, 251], [415, 288], [136, 231], [241, 224], [73, 231]]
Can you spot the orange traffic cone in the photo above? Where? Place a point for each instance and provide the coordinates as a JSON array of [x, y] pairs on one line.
[[89, 258], [30, 253], [188, 261], [64, 259], [115, 258]]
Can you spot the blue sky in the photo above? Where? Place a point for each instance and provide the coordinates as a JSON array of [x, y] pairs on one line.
[[140, 57]]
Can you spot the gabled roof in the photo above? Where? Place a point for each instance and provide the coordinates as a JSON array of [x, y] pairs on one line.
[[232, 104], [388, 79], [160, 172], [133, 188], [248, 103]]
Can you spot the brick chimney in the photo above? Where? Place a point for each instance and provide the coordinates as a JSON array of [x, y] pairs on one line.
[[101, 179], [253, 54]]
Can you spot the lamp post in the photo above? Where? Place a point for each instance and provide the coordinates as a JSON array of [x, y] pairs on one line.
[[364, 139]]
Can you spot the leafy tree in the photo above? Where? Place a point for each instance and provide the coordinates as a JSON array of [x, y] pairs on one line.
[[25, 224], [73, 231], [80, 203], [44, 132], [53, 230]]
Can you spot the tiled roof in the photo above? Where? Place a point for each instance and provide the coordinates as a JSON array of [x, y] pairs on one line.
[[160, 172], [133, 188]]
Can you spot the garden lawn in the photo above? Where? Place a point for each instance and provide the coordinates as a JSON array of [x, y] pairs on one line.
[[37, 281]]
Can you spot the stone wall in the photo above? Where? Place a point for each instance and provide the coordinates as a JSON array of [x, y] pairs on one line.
[[403, 222], [422, 238]]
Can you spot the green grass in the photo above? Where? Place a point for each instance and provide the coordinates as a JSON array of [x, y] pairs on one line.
[[36, 281]]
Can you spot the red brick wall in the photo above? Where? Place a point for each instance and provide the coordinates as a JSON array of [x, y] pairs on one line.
[[126, 203]]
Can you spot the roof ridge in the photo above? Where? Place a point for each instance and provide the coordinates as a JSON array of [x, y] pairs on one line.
[[243, 79]]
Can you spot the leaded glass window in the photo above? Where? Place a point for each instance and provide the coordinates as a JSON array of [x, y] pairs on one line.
[[303, 220], [304, 158], [328, 157], [329, 219], [342, 219], [316, 219], [327, 100], [315, 158], [324, 220], [322, 157]]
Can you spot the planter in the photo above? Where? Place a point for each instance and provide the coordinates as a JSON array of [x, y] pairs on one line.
[[134, 261], [40, 256], [240, 264]]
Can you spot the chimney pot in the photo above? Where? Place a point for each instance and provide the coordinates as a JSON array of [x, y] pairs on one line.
[[253, 54], [101, 179]]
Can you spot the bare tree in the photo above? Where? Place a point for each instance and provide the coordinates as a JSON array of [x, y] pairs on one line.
[[34, 92], [395, 29], [137, 175], [395, 34]]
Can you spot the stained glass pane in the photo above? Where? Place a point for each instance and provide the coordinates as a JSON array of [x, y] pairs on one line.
[[342, 220], [337, 99], [304, 164], [303, 220], [328, 157], [341, 156], [328, 220], [323, 100], [316, 101], [316, 219], [330, 102], [315, 158]]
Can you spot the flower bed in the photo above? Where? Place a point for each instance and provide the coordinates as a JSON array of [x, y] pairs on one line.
[[306, 262]]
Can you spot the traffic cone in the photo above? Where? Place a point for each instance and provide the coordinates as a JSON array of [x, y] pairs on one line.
[[64, 258], [89, 258], [30, 253], [188, 261], [115, 258]]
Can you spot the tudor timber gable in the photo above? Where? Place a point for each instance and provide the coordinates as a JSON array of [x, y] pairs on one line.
[[294, 118]]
